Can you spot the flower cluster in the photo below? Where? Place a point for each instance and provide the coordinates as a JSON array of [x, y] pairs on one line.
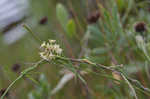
[[50, 50]]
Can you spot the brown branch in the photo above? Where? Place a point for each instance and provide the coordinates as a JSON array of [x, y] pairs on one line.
[[110, 68]]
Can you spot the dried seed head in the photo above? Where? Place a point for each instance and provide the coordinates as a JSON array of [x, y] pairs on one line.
[[16, 67], [71, 14], [50, 50], [2, 92], [140, 27], [149, 9], [43, 20], [93, 17]]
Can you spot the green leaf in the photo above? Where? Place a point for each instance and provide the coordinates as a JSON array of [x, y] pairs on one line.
[[100, 50], [62, 15], [106, 15], [129, 7], [116, 19], [96, 34], [32, 79], [95, 30], [106, 23], [42, 90], [71, 28], [121, 4]]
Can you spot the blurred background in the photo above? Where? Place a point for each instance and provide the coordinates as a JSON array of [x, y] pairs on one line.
[[111, 41]]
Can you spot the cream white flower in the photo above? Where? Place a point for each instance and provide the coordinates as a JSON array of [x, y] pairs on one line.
[[50, 50], [59, 51], [43, 44], [52, 41], [140, 41]]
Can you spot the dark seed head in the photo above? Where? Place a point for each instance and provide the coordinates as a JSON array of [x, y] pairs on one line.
[[149, 9], [140, 27], [93, 17], [16, 67], [2, 92], [71, 14], [43, 20]]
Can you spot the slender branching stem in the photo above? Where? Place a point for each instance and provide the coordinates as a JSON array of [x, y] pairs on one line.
[[85, 61], [131, 87], [21, 76], [110, 68], [33, 34]]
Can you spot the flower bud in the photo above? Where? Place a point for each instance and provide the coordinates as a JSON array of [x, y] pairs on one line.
[[93, 17], [140, 41], [140, 27]]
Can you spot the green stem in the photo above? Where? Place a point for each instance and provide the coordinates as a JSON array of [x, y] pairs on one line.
[[145, 52], [18, 78], [33, 34], [21, 76]]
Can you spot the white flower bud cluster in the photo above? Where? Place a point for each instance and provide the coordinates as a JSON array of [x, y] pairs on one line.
[[140, 41], [50, 50]]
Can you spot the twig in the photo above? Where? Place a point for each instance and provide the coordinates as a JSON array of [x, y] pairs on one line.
[[88, 62], [137, 83], [111, 68], [132, 89]]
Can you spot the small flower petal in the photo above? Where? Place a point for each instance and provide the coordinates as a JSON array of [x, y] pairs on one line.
[[50, 50]]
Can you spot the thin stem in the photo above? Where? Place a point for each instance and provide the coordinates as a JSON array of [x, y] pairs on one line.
[[137, 83], [18, 78], [33, 34], [111, 68], [86, 61], [21, 76], [145, 52], [132, 89], [147, 70]]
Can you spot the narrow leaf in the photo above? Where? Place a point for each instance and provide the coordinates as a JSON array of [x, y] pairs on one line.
[[71, 28]]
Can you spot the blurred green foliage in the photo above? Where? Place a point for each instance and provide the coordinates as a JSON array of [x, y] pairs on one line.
[[111, 40]]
